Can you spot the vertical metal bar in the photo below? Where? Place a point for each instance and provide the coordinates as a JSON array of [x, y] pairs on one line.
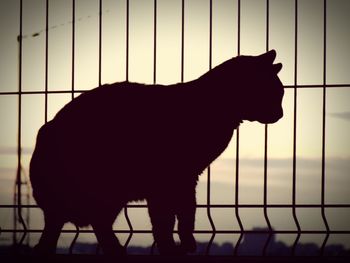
[[238, 27], [265, 148], [324, 125], [129, 225], [73, 48], [71, 247], [27, 219], [46, 57], [14, 234], [155, 43], [127, 79], [19, 140], [182, 39], [100, 43], [210, 34], [153, 248], [209, 214], [127, 41], [154, 69], [238, 218], [295, 128], [208, 182]]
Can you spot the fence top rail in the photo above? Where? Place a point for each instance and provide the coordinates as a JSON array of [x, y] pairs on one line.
[[299, 86]]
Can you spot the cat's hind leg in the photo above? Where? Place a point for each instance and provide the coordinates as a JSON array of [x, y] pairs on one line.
[[52, 230]]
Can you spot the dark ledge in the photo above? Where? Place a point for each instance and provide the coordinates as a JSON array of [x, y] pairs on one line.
[[182, 259]]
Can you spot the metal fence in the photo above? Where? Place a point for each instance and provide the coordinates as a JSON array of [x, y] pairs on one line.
[[241, 231]]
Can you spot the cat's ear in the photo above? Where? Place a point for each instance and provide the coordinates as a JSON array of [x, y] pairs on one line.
[[268, 57], [277, 67]]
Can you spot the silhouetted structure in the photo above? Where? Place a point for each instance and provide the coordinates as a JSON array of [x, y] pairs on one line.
[[129, 141]]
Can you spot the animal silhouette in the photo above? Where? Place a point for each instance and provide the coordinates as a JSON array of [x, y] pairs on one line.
[[127, 141]]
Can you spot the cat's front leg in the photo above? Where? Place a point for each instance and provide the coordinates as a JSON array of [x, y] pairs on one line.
[[102, 225], [162, 216], [185, 211]]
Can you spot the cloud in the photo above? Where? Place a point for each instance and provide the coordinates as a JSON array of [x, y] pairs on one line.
[[344, 115]]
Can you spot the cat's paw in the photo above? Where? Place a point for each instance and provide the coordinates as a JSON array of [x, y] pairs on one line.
[[189, 244], [43, 249]]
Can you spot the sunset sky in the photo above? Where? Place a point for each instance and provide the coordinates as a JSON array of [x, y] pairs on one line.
[[310, 59]]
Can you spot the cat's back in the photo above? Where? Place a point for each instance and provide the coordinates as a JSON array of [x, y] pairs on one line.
[[125, 101]]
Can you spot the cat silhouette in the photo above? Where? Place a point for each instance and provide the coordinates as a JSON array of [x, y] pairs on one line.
[[127, 142]]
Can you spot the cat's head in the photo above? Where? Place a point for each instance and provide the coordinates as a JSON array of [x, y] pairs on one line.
[[261, 89], [250, 88], [246, 88]]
